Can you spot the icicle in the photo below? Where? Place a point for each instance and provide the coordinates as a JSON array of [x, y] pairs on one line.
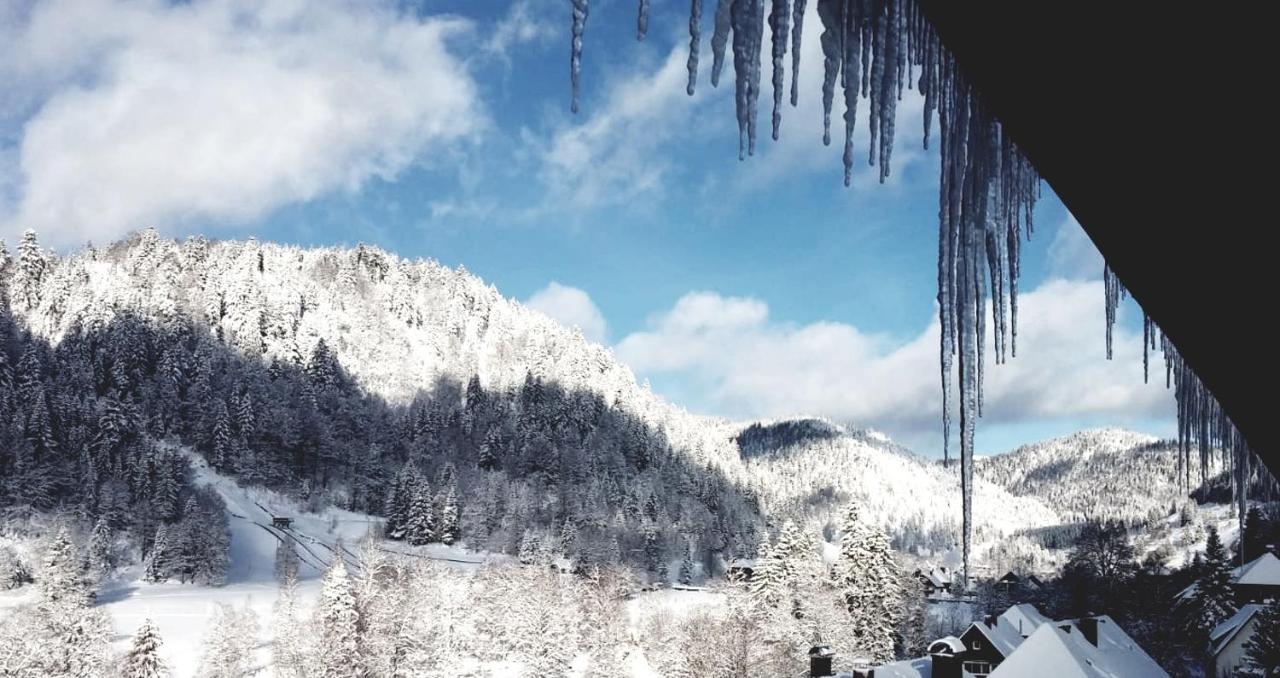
[[695, 37], [720, 39], [580, 11], [849, 54], [1147, 340], [986, 199], [642, 20], [779, 25], [1114, 292], [830, 13], [748, 31], [797, 29]]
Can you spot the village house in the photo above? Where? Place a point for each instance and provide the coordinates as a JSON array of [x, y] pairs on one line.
[[1256, 581], [1023, 643], [1227, 642], [935, 581]]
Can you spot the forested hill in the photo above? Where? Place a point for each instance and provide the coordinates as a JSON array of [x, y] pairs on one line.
[[1095, 474], [806, 469], [347, 375]]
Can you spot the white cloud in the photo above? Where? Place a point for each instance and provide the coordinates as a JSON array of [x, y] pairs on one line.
[[571, 307], [524, 23], [154, 113], [737, 362], [1072, 254]]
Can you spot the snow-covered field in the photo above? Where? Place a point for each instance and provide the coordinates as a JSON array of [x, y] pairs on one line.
[[182, 612]]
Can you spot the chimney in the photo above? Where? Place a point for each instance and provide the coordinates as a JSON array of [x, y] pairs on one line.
[[990, 621], [1089, 629], [820, 659]]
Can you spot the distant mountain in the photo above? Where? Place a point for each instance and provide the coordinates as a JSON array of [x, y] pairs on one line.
[[806, 469], [348, 376], [1095, 474]]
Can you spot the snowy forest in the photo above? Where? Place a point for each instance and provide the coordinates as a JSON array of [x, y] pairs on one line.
[[154, 391]]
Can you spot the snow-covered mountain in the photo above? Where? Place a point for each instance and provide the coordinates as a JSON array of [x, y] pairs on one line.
[[806, 469], [356, 377], [1096, 474], [385, 386]]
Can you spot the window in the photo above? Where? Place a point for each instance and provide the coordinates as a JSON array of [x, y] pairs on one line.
[[978, 668], [977, 644]]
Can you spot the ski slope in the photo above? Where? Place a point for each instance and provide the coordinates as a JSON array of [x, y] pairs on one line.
[[182, 612]]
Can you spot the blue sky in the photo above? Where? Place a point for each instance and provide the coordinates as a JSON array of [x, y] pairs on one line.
[[441, 129]]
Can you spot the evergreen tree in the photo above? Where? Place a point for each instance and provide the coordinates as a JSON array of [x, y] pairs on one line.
[[687, 566], [871, 585], [62, 580], [1213, 600], [1256, 533], [222, 443], [1263, 649], [30, 272], [288, 655], [229, 643], [420, 522], [143, 659], [489, 449], [449, 529], [100, 556], [156, 567], [338, 625]]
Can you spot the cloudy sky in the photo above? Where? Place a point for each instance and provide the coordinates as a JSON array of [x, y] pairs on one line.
[[441, 129]]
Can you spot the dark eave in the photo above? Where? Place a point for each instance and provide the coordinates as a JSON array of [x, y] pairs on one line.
[[1147, 121]]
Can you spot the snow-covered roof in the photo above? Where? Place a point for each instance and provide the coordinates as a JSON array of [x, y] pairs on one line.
[[1261, 571], [921, 667], [1025, 618], [955, 645], [1002, 634], [938, 576], [1062, 646], [1222, 634]]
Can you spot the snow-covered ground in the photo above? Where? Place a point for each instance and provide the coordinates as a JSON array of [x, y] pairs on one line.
[[182, 612]]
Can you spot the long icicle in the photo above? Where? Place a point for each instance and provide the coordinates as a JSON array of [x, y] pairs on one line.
[[695, 37], [580, 11], [987, 188]]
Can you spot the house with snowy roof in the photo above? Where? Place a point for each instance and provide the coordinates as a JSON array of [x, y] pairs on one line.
[[1227, 642], [1256, 581], [1090, 647], [935, 581]]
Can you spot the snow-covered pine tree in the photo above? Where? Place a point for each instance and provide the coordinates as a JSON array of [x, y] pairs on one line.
[[222, 444], [488, 458], [156, 566], [288, 653], [30, 272], [686, 566], [1213, 600], [449, 529], [420, 520], [870, 582], [62, 580], [531, 549], [229, 643], [338, 625], [1263, 650], [143, 658], [66, 636], [100, 558]]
